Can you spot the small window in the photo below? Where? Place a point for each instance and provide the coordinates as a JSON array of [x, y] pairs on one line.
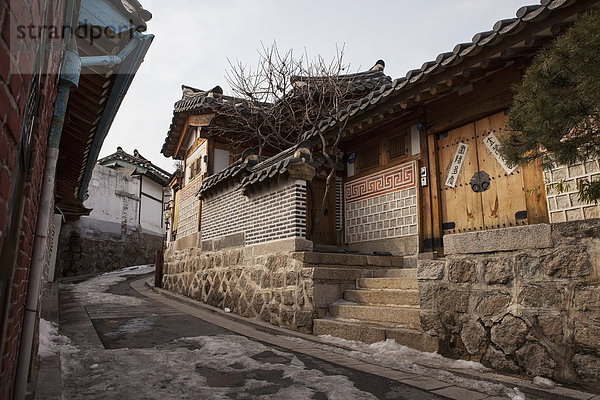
[[368, 158], [198, 166], [398, 146]]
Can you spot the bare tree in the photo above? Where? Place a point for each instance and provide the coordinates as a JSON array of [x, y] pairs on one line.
[[274, 104]]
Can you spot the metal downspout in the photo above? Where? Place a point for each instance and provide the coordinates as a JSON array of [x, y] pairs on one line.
[[69, 79]]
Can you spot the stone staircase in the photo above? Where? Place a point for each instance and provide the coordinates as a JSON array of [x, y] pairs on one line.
[[382, 307]]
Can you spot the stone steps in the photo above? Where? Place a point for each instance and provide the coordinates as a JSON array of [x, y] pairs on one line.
[[347, 260], [405, 316], [402, 283], [382, 307], [395, 273], [371, 333], [380, 297]]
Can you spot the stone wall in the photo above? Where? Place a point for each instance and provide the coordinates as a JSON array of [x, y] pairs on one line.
[[81, 254], [275, 288], [529, 309]]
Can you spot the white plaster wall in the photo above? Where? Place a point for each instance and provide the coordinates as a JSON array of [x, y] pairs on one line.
[[221, 160], [113, 198], [151, 211]]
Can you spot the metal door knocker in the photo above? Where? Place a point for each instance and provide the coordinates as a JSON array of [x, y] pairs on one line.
[[480, 182]]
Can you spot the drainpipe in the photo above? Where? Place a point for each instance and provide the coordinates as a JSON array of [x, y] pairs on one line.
[[111, 60], [69, 79]]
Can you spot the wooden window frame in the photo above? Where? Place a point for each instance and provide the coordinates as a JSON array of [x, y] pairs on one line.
[[368, 147]]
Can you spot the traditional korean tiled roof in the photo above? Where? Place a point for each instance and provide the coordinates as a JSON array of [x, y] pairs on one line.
[[236, 169], [134, 11], [139, 164], [93, 105], [269, 168], [503, 35], [197, 101], [359, 83], [248, 173]]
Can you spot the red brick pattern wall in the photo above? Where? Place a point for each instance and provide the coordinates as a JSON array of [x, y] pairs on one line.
[[17, 58]]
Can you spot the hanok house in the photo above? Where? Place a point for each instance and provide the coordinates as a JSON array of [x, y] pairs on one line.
[[125, 227], [58, 100], [474, 268]]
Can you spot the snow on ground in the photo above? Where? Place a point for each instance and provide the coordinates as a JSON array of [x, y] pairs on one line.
[[393, 355], [207, 367], [52, 342], [93, 291]]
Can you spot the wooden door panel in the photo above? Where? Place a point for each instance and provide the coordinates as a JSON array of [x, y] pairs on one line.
[[512, 199], [506, 195], [459, 206], [325, 232]]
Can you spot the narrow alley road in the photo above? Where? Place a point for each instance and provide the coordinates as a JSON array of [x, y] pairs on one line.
[[127, 345], [120, 339]]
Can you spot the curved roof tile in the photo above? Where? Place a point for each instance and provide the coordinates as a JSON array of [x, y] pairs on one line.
[[502, 28]]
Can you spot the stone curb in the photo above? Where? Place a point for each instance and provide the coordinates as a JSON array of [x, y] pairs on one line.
[[419, 381]]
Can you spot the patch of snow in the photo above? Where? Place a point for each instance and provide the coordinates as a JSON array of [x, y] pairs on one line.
[[93, 291], [208, 367], [393, 355], [515, 394], [51, 341], [343, 302], [346, 319], [543, 382]]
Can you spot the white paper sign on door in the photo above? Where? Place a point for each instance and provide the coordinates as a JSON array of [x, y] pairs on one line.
[[456, 166], [493, 144]]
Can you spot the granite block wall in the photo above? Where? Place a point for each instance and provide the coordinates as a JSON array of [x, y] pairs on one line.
[[532, 312]]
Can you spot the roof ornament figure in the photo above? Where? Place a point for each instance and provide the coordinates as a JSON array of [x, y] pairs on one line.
[[379, 66]]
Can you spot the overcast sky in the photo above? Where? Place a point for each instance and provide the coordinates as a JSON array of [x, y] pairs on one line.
[[194, 39]]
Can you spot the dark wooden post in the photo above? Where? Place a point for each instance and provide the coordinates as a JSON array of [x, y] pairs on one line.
[[158, 271]]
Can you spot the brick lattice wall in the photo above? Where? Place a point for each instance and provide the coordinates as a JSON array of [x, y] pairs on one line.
[[273, 214], [189, 209], [566, 206], [17, 59], [382, 205]]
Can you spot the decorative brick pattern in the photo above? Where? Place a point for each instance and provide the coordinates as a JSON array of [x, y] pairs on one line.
[[382, 205], [273, 214], [389, 181], [566, 206], [189, 209]]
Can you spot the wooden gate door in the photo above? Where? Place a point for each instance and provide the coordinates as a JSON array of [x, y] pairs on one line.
[[509, 198], [325, 231]]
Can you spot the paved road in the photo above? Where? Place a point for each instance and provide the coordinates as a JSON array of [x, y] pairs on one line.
[[128, 345]]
